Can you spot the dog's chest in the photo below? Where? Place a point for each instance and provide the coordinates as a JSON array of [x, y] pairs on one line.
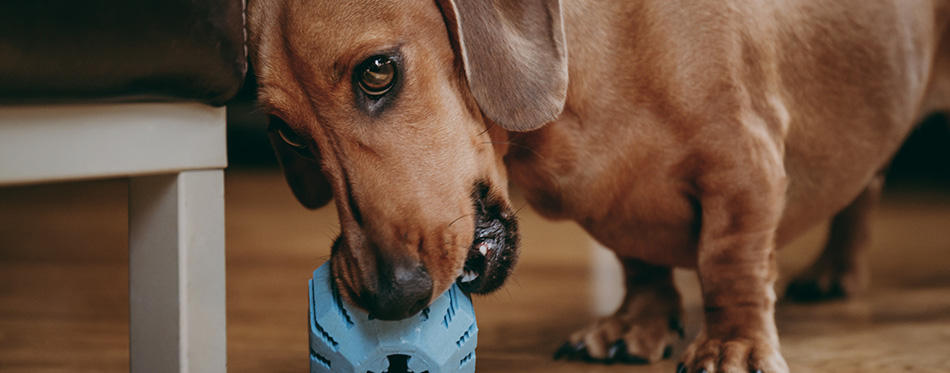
[[623, 191]]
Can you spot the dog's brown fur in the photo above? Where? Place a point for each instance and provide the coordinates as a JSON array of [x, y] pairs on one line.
[[698, 134]]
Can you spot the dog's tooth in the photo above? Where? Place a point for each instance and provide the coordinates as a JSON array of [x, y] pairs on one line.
[[469, 276], [483, 248]]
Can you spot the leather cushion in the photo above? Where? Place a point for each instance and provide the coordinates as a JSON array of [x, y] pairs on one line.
[[121, 50]]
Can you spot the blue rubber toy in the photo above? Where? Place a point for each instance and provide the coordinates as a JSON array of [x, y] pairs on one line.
[[343, 338]]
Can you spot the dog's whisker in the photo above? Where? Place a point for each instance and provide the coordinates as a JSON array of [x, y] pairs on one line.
[[509, 143], [331, 232], [260, 108], [508, 289], [457, 219], [488, 127], [515, 214]]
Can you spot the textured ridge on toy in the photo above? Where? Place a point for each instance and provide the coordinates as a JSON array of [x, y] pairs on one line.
[[343, 338]]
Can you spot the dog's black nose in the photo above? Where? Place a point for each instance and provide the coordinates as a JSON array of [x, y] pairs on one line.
[[404, 289]]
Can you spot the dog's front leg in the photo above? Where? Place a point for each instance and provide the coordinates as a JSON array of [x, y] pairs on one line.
[[742, 197], [642, 330]]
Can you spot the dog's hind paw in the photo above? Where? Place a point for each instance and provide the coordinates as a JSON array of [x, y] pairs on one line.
[[810, 291], [616, 340], [822, 284]]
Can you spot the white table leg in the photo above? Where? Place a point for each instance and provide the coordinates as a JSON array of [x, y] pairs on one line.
[[176, 274]]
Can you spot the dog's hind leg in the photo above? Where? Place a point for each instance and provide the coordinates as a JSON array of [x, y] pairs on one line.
[[841, 270], [642, 330]]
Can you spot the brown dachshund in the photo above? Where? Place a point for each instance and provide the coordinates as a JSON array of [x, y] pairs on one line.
[[680, 133]]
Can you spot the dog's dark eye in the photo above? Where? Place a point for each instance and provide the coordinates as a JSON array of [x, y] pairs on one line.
[[377, 76], [286, 133], [291, 137]]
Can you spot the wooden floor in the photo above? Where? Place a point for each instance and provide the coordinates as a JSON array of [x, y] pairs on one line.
[[64, 303]]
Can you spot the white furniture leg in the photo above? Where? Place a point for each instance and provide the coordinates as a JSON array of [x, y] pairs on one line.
[[176, 219], [176, 274]]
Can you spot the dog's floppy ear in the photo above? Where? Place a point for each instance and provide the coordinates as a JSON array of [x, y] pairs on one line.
[[514, 56], [301, 167]]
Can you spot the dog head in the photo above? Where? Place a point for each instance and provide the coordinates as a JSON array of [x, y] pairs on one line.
[[401, 111]]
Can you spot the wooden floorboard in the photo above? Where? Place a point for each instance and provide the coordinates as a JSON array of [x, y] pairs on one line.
[[64, 302]]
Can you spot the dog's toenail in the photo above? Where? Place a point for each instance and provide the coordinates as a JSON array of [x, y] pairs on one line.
[[580, 351], [580, 347], [702, 370], [757, 371], [677, 326], [562, 351], [617, 351], [680, 368], [667, 352], [568, 350], [634, 359], [617, 347]]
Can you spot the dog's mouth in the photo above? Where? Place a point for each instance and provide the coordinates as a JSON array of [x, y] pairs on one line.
[[494, 250]]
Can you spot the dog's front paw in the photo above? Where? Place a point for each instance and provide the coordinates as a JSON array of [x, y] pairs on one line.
[[711, 355], [624, 339]]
